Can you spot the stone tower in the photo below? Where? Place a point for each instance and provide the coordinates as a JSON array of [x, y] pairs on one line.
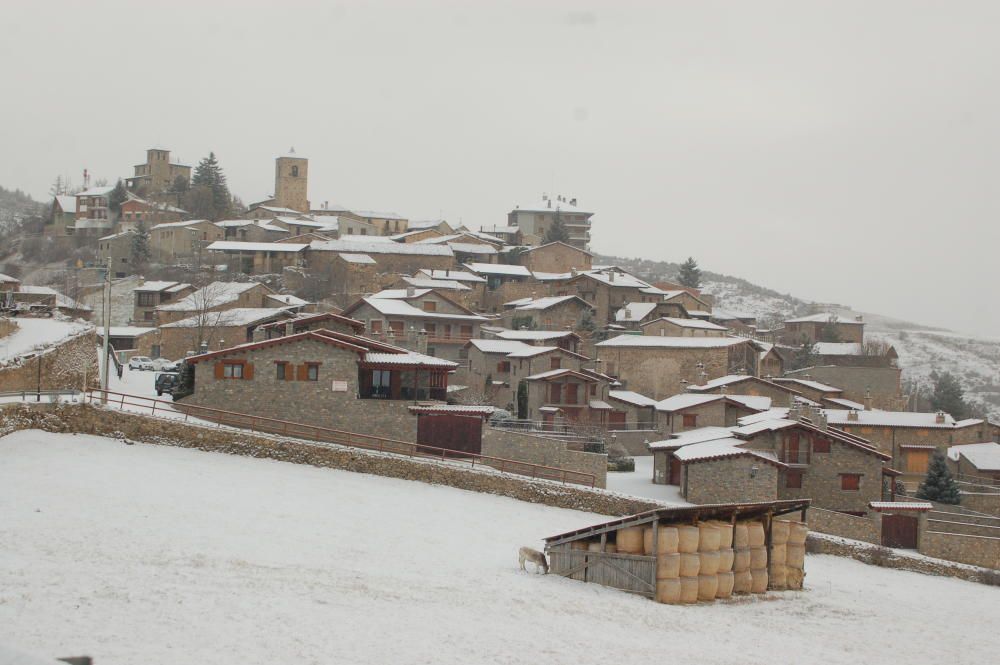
[[291, 182]]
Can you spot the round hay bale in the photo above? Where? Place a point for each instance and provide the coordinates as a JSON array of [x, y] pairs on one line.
[[742, 582], [709, 563], [741, 560], [668, 590], [778, 554], [611, 548], [687, 538], [667, 537], [741, 538], [594, 546], [707, 586], [779, 532], [758, 580], [778, 573], [690, 564], [795, 556], [727, 582], [794, 578], [668, 566], [758, 557], [689, 589], [725, 534], [755, 534], [708, 537], [630, 540], [726, 559], [797, 533], [579, 545]]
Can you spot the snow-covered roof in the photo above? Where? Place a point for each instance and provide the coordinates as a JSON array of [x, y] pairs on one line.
[[631, 397], [428, 283], [692, 436], [619, 279], [400, 294], [469, 409], [503, 346], [169, 225], [213, 295], [534, 335], [8, 278], [697, 324], [900, 505], [423, 224], [278, 210], [635, 311], [824, 317], [67, 203], [63, 301], [530, 351], [549, 302], [845, 403], [550, 276], [807, 383], [116, 235], [499, 229], [238, 316], [456, 275], [240, 246], [894, 419], [472, 248], [651, 341], [763, 425], [837, 349], [370, 246], [983, 456], [689, 400], [722, 381], [288, 299], [410, 358], [97, 191], [127, 331], [375, 214], [551, 205], [498, 269], [552, 373], [394, 307], [362, 259]]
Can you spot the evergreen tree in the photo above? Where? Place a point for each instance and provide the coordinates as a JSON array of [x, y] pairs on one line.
[[117, 197], [828, 333], [211, 198], [557, 231], [804, 356], [690, 274], [140, 245], [522, 400], [948, 395], [938, 485]]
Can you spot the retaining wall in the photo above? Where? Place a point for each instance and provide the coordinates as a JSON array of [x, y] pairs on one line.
[[846, 526], [974, 550]]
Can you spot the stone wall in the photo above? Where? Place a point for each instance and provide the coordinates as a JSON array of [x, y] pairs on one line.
[[540, 450], [845, 526], [884, 383], [729, 481], [657, 372], [61, 367], [634, 441], [974, 550], [821, 479], [7, 327], [982, 503]]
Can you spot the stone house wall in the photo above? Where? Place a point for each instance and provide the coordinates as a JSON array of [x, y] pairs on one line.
[[884, 383], [556, 257], [657, 372], [728, 480], [712, 414], [539, 450], [64, 366], [255, 296], [780, 397], [564, 316]]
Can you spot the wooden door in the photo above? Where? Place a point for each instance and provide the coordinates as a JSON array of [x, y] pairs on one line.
[[899, 531], [452, 432], [616, 419], [675, 471], [793, 449], [917, 460]]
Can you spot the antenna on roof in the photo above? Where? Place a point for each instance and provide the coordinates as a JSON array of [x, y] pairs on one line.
[[291, 151]]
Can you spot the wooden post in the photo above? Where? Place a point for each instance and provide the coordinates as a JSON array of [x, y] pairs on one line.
[[767, 543], [656, 553]]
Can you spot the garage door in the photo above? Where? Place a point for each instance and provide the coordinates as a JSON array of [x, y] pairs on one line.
[[459, 433]]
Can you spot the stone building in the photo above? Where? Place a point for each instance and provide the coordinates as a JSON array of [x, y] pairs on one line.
[[564, 339], [316, 321], [689, 411], [215, 330], [663, 366], [386, 223], [63, 218], [880, 385], [252, 230], [496, 366], [150, 295], [257, 258], [215, 297], [811, 389], [556, 257], [679, 327], [118, 249], [575, 396], [638, 315], [534, 221], [389, 257], [136, 212], [159, 174], [505, 283], [823, 327], [548, 313], [93, 212], [186, 241], [976, 462]]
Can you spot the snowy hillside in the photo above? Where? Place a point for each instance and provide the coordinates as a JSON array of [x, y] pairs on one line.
[[975, 361], [146, 554], [15, 206]]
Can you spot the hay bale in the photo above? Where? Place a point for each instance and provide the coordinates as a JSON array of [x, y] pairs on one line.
[[687, 538], [668, 590], [690, 564], [708, 585], [594, 546], [755, 534], [779, 532], [708, 563], [667, 538], [741, 537], [794, 578], [797, 532], [741, 560], [579, 545], [708, 537], [689, 589], [758, 580], [630, 540], [725, 534], [758, 557], [726, 559], [778, 554], [668, 566], [611, 548], [742, 582], [778, 576], [795, 556], [727, 582]]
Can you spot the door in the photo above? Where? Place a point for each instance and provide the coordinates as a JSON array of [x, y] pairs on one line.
[[793, 449], [899, 531], [675, 471], [917, 460], [616, 420], [459, 433]]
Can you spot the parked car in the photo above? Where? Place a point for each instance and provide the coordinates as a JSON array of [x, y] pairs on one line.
[[164, 365], [141, 362], [165, 382]]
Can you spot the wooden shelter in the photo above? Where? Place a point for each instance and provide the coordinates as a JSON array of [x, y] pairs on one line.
[[583, 554]]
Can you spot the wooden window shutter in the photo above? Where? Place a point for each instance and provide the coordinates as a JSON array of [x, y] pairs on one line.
[[289, 372], [218, 370], [303, 373], [248, 371]]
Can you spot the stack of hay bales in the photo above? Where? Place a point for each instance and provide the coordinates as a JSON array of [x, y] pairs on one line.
[[629, 540], [690, 562], [741, 558], [777, 570], [758, 557], [668, 563], [708, 559], [795, 555], [726, 560]]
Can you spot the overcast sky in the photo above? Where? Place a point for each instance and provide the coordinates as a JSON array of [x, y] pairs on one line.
[[840, 151]]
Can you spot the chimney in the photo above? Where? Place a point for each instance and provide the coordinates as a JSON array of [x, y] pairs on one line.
[[823, 423], [411, 338], [410, 292], [572, 202], [611, 276], [204, 347], [572, 271], [723, 390], [548, 203], [852, 415], [222, 343], [258, 334], [422, 342], [289, 328], [868, 399], [939, 418]]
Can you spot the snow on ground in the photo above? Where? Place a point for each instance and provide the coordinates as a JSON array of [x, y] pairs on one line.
[[640, 483], [34, 335], [163, 555]]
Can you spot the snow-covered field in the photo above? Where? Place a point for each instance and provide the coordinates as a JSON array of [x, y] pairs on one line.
[[36, 334], [146, 554], [640, 483]]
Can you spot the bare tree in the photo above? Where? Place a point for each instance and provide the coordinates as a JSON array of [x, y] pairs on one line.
[[203, 326]]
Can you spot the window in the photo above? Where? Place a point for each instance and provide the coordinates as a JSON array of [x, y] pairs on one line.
[[232, 371], [555, 393], [146, 299], [397, 327], [690, 420], [295, 172], [282, 371], [466, 331], [312, 372], [430, 329], [376, 326], [793, 480], [593, 389], [571, 392], [430, 306], [850, 482], [147, 316], [821, 445], [503, 366], [555, 363]]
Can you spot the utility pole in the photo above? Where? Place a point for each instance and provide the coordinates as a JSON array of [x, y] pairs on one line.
[[106, 302]]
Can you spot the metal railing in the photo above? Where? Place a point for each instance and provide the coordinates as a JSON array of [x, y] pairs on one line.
[[37, 395], [339, 437]]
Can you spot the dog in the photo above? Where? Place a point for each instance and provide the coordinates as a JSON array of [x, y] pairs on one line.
[[535, 557]]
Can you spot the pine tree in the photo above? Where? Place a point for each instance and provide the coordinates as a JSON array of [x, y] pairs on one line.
[[690, 274], [938, 485], [117, 197], [804, 356], [948, 395], [828, 333], [211, 198], [557, 231], [140, 245]]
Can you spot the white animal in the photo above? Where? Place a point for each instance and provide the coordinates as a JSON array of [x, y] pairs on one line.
[[535, 557]]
